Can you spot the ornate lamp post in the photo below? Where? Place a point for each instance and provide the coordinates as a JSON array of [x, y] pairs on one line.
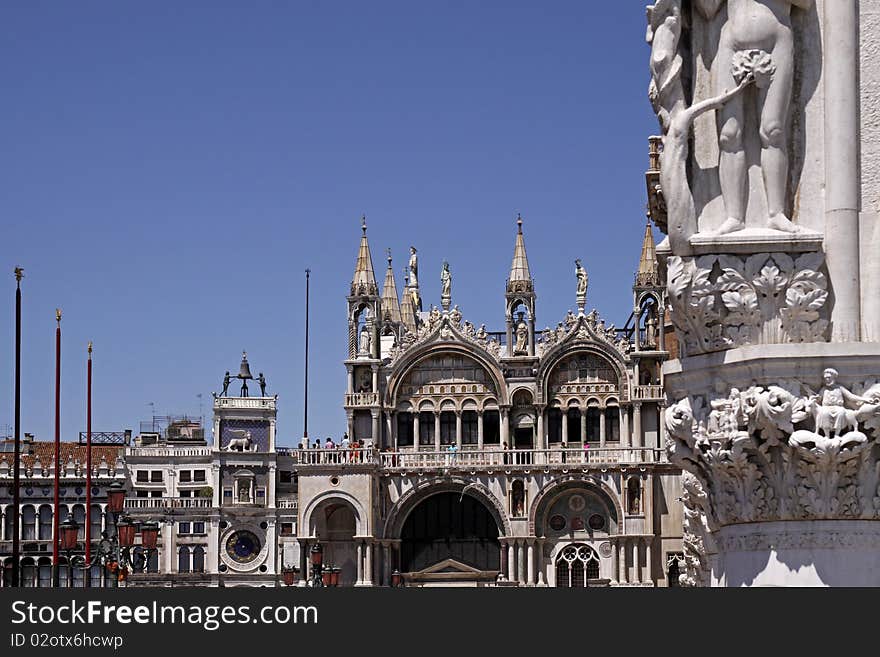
[[116, 551]]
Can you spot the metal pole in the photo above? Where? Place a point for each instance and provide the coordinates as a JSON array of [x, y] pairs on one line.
[[16, 465], [88, 533], [306, 404], [55, 520]]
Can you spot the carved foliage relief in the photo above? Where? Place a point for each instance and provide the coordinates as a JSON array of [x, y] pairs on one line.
[[725, 301]]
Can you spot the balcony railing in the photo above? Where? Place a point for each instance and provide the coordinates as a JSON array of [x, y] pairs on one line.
[[648, 392], [170, 451], [168, 503], [465, 459], [362, 399]]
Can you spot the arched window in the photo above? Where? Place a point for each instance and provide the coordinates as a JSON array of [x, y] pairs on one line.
[[518, 499], [79, 515], [198, 559], [426, 428], [491, 428], [183, 562], [45, 523], [447, 428], [554, 425], [96, 522], [612, 424], [7, 572], [576, 565], [593, 424], [404, 429], [574, 425], [469, 428], [28, 523], [28, 571], [44, 576]]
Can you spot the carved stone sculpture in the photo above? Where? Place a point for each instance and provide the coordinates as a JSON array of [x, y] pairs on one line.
[[366, 342], [522, 338], [446, 282]]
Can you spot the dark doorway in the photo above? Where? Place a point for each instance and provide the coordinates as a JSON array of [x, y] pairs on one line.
[[442, 527]]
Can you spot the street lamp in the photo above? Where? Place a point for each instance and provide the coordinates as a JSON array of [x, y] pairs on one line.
[[116, 552], [396, 579], [317, 554]]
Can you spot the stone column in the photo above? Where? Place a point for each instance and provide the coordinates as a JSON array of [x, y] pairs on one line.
[[391, 429], [458, 440], [303, 561], [377, 433], [615, 565], [386, 564], [540, 563], [273, 481], [505, 427], [416, 431], [168, 547], [436, 431], [350, 388], [531, 563], [638, 440], [542, 435], [584, 424], [565, 425], [602, 436], [511, 561], [375, 378], [648, 571], [349, 415], [625, 436], [368, 563], [503, 550], [360, 564], [842, 175], [520, 562], [480, 430], [637, 338], [623, 575], [637, 571]]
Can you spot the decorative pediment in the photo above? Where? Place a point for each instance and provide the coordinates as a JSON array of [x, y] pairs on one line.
[[450, 566], [447, 327], [581, 329]]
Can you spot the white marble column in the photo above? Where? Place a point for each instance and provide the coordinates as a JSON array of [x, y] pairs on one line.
[[540, 563], [842, 179], [520, 562], [376, 429], [416, 431], [505, 427], [637, 425], [584, 424], [458, 440], [615, 565], [480, 442], [637, 570], [648, 574], [531, 562], [565, 425], [625, 436], [511, 561], [368, 563], [602, 436], [437, 431], [360, 564]]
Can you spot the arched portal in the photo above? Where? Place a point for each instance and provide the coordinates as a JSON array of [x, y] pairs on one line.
[[450, 526], [335, 526]]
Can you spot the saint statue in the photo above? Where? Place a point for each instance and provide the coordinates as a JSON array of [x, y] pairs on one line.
[[756, 40], [413, 267], [446, 281], [582, 278], [522, 338], [365, 342]]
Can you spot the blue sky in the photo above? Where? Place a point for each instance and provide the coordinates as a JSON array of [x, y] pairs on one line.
[[169, 170]]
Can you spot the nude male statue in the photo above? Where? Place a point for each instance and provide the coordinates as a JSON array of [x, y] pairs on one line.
[[756, 38]]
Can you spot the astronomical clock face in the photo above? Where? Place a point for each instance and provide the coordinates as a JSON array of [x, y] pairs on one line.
[[243, 547]]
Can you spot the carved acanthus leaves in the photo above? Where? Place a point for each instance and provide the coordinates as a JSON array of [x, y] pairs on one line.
[[726, 301], [762, 455]]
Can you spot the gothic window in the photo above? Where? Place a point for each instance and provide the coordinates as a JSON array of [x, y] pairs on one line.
[[518, 499], [674, 568], [469, 429], [576, 565]]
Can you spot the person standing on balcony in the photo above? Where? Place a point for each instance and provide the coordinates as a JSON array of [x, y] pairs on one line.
[[344, 444], [564, 447]]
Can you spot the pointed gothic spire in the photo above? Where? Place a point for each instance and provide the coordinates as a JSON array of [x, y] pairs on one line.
[[408, 306], [520, 279], [649, 270], [364, 281], [390, 300]]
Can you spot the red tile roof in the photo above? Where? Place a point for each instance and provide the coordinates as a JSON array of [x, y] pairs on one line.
[[45, 451]]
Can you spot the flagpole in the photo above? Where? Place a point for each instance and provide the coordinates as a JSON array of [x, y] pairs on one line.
[[16, 465], [306, 387], [57, 508], [88, 533]]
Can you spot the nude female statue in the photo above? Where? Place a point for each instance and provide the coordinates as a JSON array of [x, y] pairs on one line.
[[757, 38]]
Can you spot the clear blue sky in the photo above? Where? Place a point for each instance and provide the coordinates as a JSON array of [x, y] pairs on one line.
[[169, 170]]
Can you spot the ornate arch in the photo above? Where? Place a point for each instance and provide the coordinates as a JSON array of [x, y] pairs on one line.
[[594, 348], [410, 361], [398, 513], [318, 501], [549, 493]]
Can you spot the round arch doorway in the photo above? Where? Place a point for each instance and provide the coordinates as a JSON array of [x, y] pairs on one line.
[[450, 537]]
